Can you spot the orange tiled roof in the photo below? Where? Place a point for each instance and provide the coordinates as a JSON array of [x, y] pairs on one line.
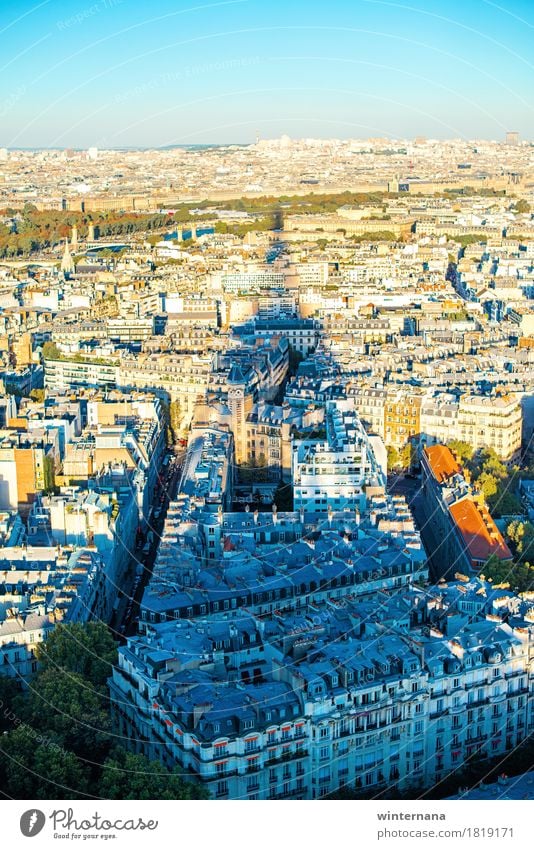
[[480, 534], [442, 463]]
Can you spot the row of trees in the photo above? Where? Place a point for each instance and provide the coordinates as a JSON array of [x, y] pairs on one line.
[[36, 230], [58, 740]]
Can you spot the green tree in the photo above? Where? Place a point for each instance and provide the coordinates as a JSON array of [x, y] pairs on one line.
[[175, 419], [521, 538], [51, 351], [10, 696], [488, 484], [520, 576], [522, 206], [87, 650], [392, 457], [31, 769], [128, 776], [505, 504], [37, 394], [497, 570], [407, 456], [67, 706], [463, 450]]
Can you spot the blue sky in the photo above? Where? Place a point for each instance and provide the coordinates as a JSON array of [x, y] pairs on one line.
[[124, 72]]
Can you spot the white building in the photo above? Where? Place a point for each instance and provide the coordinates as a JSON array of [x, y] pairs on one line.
[[332, 473]]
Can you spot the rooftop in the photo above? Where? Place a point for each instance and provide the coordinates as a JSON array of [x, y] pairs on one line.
[[479, 532], [442, 462]]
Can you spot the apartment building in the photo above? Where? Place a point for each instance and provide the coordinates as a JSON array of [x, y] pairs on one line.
[[284, 710], [491, 422], [269, 441], [333, 474], [459, 531], [40, 586], [402, 417], [64, 374]]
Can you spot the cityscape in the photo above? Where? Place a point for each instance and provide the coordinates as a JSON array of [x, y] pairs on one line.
[[266, 463]]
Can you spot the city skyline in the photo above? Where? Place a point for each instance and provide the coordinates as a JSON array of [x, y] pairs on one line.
[[225, 72], [266, 411]]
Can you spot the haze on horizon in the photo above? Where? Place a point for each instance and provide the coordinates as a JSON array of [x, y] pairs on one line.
[[116, 73]]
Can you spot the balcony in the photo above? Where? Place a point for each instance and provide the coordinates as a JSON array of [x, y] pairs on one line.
[[253, 768], [287, 756], [291, 794], [253, 788]]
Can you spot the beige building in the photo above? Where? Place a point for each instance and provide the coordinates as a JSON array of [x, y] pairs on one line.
[[491, 422]]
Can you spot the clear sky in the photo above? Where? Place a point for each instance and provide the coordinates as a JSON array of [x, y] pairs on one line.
[[111, 73]]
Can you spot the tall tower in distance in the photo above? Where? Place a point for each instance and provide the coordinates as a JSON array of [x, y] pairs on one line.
[[512, 139], [240, 402], [67, 264]]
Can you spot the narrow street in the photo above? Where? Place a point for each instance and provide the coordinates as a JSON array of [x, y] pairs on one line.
[[142, 561]]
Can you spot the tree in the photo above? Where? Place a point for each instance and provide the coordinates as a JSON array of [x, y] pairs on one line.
[[393, 457], [33, 767], [522, 206], [506, 504], [407, 456], [520, 576], [51, 351], [129, 776], [487, 460], [67, 706], [487, 484], [38, 394], [497, 570], [175, 419], [521, 538], [463, 450], [87, 650], [10, 694]]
